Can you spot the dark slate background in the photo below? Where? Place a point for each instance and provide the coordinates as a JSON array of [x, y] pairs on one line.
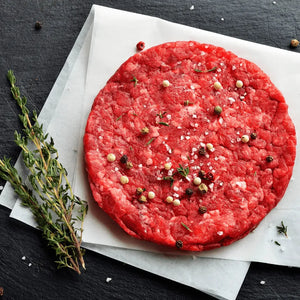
[[37, 58]]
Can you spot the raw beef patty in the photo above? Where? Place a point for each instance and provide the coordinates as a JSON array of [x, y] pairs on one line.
[[189, 146]]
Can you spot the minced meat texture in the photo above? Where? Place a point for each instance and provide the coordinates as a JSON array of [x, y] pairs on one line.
[[159, 108]]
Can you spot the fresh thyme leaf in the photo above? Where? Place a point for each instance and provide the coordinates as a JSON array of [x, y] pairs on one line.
[[183, 171], [187, 103], [278, 244], [48, 195], [206, 71], [186, 227], [118, 118], [134, 80], [169, 178], [150, 141], [163, 123], [161, 115], [255, 173], [282, 229]]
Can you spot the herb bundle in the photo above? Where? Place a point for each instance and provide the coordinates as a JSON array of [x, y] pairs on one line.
[[58, 213]]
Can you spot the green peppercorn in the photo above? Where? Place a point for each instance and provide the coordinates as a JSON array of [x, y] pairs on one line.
[[129, 165], [179, 244], [218, 110], [142, 199], [124, 159], [145, 130], [189, 192], [139, 191], [203, 188], [202, 210]]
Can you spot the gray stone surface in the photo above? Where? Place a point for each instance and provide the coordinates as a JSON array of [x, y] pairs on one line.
[[37, 58]]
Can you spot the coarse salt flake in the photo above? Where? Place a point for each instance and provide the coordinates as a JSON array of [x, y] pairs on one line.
[[262, 282], [108, 279], [169, 117], [220, 233], [194, 116], [23, 257], [231, 100], [192, 7]]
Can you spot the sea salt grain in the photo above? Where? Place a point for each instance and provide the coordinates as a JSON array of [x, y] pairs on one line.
[[262, 282], [24, 257], [192, 7], [108, 279]]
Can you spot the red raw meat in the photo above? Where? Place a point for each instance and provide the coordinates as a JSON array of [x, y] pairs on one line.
[[158, 108]]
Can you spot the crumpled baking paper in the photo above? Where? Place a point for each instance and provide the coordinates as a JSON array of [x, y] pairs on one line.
[[107, 39]]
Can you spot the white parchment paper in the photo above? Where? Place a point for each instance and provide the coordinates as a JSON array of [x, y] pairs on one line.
[[282, 66], [64, 106]]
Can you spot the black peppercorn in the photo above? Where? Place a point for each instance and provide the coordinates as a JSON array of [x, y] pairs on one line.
[[179, 244], [202, 151], [38, 25], [209, 176], [269, 158], [253, 135], [201, 174], [202, 210], [124, 159], [189, 192]]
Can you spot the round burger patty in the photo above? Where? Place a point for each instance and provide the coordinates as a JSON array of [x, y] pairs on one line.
[[189, 145]]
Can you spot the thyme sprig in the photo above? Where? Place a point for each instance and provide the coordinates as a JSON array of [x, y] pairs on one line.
[[183, 171], [58, 212], [282, 229]]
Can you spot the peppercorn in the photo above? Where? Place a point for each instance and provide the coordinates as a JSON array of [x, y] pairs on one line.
[[145, 130], [179, 244], [201, 174], [140, 46], [124, 159], [129, 165], [202, 210], [209, 176], [38, 25], [142, 199], [203, 188], [139, 190], [218, 110], [189, 192], [202, 151], [269, 158], [253, 135], [294, 43]]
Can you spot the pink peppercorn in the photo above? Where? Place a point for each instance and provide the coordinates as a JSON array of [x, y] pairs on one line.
[[140, 46]]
